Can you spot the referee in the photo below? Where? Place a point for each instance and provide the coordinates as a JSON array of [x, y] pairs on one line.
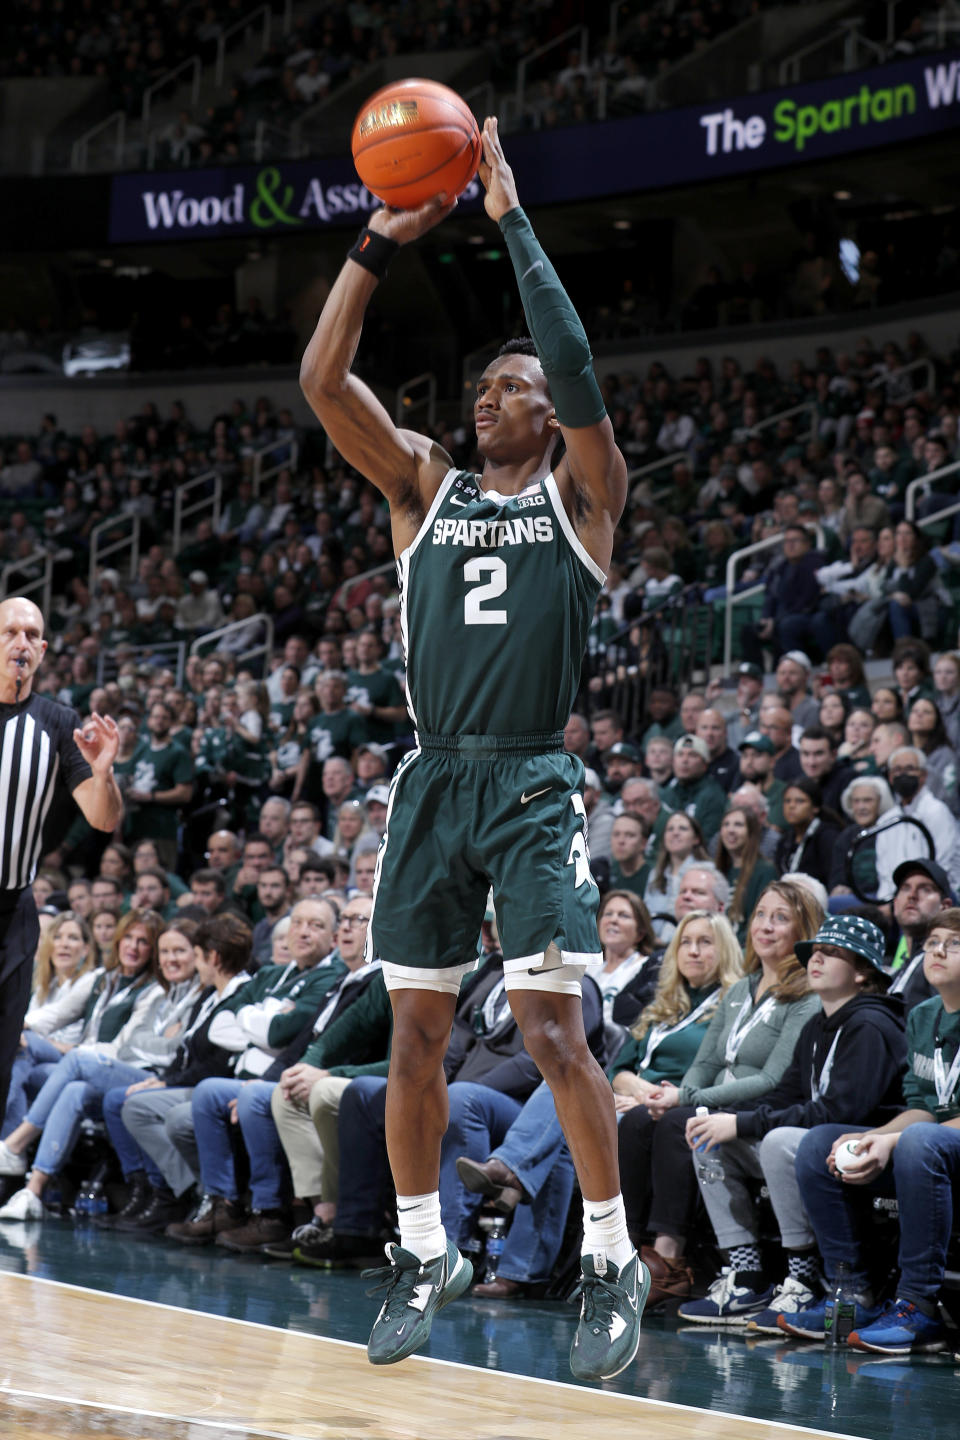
[[41, 746]]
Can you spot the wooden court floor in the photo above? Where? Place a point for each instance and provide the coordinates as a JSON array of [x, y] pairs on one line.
[[105, 1337], [77, 1362]]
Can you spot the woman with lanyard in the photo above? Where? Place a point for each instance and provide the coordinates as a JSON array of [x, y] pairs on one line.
[[907, 1156], [848, 1062], [701, 963], [748, 1045], [144, 1046]]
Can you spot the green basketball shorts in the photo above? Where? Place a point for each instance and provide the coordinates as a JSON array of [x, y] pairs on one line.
[[472, 812]]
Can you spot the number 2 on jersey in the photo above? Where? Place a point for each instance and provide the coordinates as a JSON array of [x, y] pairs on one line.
[[474, 600]]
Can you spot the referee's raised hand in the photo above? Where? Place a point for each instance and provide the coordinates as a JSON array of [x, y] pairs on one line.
[[98, 742]]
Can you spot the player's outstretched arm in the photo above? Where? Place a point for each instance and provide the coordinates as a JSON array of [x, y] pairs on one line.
[[593, 471], [358, 425]]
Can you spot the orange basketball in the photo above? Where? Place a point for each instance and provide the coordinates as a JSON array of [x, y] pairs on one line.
[[413, 139]]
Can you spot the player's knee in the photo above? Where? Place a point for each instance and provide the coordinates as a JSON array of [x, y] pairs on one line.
[[553, 1047], [418, 1046]]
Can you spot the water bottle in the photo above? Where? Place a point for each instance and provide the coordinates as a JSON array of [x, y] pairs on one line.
[[81, 1205], [97, 1200], [709, 1166], [496, 1239], [840, 1310]]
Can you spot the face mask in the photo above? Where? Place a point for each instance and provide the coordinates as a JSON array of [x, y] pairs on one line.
[[906, 786]]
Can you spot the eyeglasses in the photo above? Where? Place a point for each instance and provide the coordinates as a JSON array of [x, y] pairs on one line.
[[949, 947], [354, 919]]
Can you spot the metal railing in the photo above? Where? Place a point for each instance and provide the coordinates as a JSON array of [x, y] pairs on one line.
[[578, 32], [261, 471], [847, 39], [637, 484], [923, 485], [341, 596], [682, 649], [288, 147], [174, 652], [99, 552], [261, 16], [407, 398], [262, 647], [80, 150], [734, 597], [635, 481], [37, 588], [482, 99], [193, 64], [924, 364], [185, 508], [807, 407]]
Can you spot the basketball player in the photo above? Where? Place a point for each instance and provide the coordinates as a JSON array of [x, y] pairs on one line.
[[498, 578], [43, 748]]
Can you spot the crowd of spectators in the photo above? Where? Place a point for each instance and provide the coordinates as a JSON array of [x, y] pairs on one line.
[[825, 273], [256, 787], [131, 46]]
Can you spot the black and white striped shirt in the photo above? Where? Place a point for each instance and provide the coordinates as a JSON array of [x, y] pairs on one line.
[[37, 751]]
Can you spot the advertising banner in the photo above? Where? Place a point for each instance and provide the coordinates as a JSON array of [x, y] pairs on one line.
[[822, 120]]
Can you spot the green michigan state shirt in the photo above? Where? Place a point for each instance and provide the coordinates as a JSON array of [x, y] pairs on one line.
[[496, 594]]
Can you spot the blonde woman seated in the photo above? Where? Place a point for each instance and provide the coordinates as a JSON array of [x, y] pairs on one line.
[[747, 1047], [64, 974], [681, 846]]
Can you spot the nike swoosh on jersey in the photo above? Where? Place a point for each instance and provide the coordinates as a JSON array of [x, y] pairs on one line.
[[455, 501], [525, 798]]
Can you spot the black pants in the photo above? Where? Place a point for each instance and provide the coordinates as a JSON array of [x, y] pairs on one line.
[[660, 1191], [19, 935]]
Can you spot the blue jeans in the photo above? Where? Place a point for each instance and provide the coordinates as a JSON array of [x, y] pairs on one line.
[[904, 619], [35, 1062], [129, 1153], [535, 1150], [924, 1173], [479, 1117], [74, 1092], [211, 1121]]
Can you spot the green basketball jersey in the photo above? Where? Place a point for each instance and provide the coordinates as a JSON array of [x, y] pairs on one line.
[[496, 595]]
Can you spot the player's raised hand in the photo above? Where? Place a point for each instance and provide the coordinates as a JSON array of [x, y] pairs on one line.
[[403, 226], [495, 174]]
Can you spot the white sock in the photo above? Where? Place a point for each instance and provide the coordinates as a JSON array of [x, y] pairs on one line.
[[605, 1232], [420, 1229]]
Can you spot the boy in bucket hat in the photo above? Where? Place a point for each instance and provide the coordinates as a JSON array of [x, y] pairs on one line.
[[848, 1061], [908, 1156]]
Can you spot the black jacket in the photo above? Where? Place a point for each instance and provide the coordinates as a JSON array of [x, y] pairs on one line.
[[487, 1048], [865, 1082], [816, 854], [197, 1057]]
